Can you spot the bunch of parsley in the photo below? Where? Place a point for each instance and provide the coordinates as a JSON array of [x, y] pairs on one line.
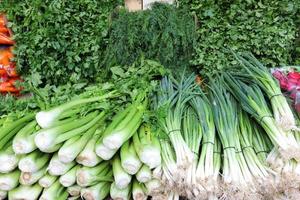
[[59, 41], [265, 28]]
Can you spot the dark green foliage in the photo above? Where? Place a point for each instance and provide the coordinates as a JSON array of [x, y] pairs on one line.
[[297, 41], [266, 28], [61, 41], [164, 34]]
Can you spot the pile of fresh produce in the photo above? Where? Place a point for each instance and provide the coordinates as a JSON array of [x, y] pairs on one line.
[[267, 28], [235, 137], [163, 33], [8, 73], [62, 42], [113, 105], [78, 152]]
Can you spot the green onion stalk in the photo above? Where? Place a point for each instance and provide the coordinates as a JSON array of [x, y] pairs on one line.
[[147, 146], [88, 176], [25, 192], [130, 161], [120, 194], [173, 196], [206, 183], [57, 168], [69, 178], [261, 142], [254, 103], [33, 161], [48, 119], [30, 178], [169, 176], [237, 180], [264, 177], [289, 183], [192, 134], [88, 157], [290, 179], [99, 191], [55, 192], [283, 114], [170, 101], [51, 139], [47, 180], [216, 192], [9, 180]]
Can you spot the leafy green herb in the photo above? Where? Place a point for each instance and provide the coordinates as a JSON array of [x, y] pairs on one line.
[[266, 28], [164, 34], [59, 41]]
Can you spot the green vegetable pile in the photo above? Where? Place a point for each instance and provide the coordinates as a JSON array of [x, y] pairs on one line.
[[266, 28], [97, 143], [164, 34], [61, 41], [161, 137], [112, 106]]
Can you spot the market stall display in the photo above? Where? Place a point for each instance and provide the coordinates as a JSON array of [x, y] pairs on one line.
[[146, 104]]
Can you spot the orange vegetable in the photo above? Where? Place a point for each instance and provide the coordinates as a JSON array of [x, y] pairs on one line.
[[5, 40], [5, 57], [8, 89], [8, 86], [4, 31]]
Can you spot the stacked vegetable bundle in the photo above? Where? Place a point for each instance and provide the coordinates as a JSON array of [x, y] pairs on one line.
[[76, 149], [237, 141]]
